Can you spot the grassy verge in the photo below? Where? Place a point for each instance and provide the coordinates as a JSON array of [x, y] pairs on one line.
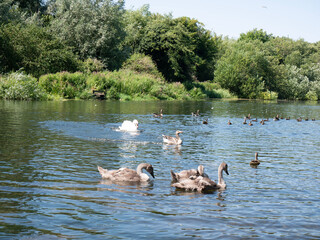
[[123, 85]]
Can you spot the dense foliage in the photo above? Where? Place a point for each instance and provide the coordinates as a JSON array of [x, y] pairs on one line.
[[67, 48], [93, 29], [182, 49]]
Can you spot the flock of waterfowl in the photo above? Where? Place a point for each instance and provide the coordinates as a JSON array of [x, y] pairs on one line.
[[187, 180], [262, 121]]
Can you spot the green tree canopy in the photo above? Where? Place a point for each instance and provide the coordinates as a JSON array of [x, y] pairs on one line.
[[93, 29], [245, 70], [182, 49], [255, 34], [33, 49]]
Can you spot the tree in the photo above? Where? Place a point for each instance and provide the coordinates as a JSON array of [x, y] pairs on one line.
[[93, 29], [206, 48], [32, 48], [31, 6], [9, 12], [255, 34], [182, 49], [245, 70]]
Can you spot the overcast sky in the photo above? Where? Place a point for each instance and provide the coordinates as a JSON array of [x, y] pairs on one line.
[[289, 18]]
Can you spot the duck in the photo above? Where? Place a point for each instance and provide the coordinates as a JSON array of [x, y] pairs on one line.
[[313, 119], [173, 140], [245, 120], [176, 177], [229, 123], [262, 122], [160, 115], [248, 117], [287, 118], [276, 118], [255, 162], [196, 114], [250, 123], [203, 184], [129, 126], [128, 175], [205, 121], [299, 119], [255, 120]]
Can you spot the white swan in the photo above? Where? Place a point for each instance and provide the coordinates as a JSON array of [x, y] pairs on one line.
[[128, 175], [202, 183], [176, 177], [129, 126], [173, 140]]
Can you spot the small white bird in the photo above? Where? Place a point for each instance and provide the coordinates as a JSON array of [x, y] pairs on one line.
[[129, 126]]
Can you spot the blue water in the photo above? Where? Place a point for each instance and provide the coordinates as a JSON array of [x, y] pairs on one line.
[[51, 189]]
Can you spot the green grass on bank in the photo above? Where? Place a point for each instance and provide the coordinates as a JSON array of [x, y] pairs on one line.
[[124, 84]]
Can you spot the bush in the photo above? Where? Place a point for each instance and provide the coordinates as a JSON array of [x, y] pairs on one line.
[[92, 65], [19, 86], [312, 96], [141, 63], [268, 95], [64, 84]]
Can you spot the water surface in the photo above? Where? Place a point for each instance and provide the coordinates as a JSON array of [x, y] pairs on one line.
[[51, 189]]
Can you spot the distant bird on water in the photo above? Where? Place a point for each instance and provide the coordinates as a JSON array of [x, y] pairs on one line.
[[255, 162], [158, 115]]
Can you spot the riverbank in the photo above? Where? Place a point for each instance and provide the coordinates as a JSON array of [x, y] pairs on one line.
[[123, 85]]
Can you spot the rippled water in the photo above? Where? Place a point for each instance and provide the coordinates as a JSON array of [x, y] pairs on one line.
[[51, 189]]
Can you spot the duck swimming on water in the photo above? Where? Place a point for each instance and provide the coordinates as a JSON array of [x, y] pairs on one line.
[[160, 115], [173, 140], [128, 175]]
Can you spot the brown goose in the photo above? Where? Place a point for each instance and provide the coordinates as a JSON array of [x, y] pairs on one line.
[[128, 175], [255, 161], [173, 140], [203, 184]]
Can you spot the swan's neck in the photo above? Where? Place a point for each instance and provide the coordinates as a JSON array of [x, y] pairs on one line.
[[140, 167], [221, 181]]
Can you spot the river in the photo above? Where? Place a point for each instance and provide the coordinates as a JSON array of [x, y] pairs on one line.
[[50, 187]]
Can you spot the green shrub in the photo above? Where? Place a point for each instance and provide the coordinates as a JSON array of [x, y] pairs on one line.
[[92, 65], [19, 86], [268, 95], [67, 85], [312, 96], [141, 63]]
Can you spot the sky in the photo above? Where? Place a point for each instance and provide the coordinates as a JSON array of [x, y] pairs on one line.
[[296, 19]]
